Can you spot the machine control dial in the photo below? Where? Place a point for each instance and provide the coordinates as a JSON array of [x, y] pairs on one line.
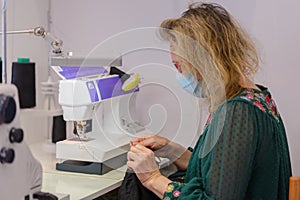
[[7, 155], [8, 109], [16, 135]]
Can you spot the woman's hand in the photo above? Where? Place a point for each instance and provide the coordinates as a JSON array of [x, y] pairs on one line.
[[156, 143], [142, 161], [163, 147]]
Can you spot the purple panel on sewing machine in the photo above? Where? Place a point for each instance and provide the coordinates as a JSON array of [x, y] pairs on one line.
[[112, 87], [71, 72]]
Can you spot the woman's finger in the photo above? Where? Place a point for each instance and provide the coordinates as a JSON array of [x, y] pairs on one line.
[[148, 141], [135, 141], [131, 165], [137, 155], [140, 139], [138, 148], [133, 149], [131, 156]]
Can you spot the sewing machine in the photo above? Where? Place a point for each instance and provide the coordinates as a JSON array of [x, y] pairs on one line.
[[102, 113], [20, 172]]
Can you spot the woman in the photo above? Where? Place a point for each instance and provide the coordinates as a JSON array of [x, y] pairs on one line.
[[243, 151]]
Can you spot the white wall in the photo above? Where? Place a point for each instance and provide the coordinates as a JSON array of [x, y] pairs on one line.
[[273, 25], [22, 15]]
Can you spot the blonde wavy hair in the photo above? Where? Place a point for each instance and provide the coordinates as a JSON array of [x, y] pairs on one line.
[[207, 39]]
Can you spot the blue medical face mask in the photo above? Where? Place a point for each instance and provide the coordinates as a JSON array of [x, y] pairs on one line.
[[190, 84]]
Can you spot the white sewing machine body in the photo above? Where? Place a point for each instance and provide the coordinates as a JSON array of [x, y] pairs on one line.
[[20, 172], [107, 113], [108, 136]]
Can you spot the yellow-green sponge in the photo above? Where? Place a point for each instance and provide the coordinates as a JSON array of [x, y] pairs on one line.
[[131, 82]]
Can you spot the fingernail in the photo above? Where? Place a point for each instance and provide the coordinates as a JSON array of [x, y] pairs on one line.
[[133, 143]]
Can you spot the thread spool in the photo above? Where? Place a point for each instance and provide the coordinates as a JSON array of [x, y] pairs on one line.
[[1, 70], [23, 76]]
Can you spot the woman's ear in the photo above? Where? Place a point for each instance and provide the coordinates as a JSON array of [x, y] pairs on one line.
[[195, 73]]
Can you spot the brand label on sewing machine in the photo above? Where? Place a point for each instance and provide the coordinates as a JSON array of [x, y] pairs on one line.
[[93, 91]]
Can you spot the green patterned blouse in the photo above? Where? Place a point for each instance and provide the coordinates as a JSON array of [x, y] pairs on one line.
[[242, 153]]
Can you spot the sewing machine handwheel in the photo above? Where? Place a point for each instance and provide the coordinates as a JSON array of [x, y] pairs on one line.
[[16, 135], [8, 109], [7, 155]]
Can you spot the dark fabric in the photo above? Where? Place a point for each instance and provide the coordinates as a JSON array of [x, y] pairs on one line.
[[132, 189]]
